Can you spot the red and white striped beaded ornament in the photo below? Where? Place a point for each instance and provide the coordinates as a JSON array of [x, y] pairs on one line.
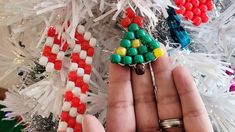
[[53, 51], [74, 105]]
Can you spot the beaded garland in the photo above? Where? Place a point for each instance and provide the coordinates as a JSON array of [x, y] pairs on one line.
[[74, 105], [136, 47], [194, 10]]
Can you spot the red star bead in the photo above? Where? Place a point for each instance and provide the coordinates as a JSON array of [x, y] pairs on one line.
[[125, 22], [90, 51], [79, 82], [79, 38], [58, 65], [71, 122], [64, 116], [81, 63], [138, 20], [72, 76], [52, 58], [65, 46], [75, 57], [130, 13], [84, 88], [75, 102], [87, 69], [85, 45], [78, 127]]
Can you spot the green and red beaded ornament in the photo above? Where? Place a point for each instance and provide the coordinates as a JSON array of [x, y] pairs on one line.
[[137, 47]]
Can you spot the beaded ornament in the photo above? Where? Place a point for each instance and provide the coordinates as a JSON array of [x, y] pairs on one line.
[[194, 10], [137, 47]]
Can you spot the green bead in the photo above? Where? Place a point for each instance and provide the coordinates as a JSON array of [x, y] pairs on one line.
[[143, 49], [149, 56], [115, 58], [125, 43], [127, 60], [140, 33], [129, 35], [153, 45], [146, 39], [132, 52], [138, 59], [133, 27]]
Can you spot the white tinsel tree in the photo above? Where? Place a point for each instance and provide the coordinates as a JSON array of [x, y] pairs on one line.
[[37, 96]]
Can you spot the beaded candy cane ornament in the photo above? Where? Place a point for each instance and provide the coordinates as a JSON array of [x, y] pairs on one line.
[[74, 105], [137, 48]]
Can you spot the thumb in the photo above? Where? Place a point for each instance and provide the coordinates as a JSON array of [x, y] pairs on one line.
[[92, 124]]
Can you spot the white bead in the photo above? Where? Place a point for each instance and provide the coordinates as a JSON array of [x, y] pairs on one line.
[[80, 72], [60, 55], [66, 106], [69, 129], [76, 91], [87, 36], [49, 41], [73, 112], [83, 54], [86, 78], [50, 67], [83, 98], [70, 85], [43, 60], [79, 118], [81, 29], [73, 67], [62, 126], [88, 60], [92, 42], [77, 48], [55, 49]]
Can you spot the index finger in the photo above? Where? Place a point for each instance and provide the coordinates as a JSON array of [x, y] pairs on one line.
[[120, 112]]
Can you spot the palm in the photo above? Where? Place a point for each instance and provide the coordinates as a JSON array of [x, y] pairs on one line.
[[134, 106]]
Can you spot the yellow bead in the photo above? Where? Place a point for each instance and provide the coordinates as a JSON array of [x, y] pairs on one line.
[[121, 51], [136, 43], [158, 52]]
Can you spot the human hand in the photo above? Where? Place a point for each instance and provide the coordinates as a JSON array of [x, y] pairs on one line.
[[134, 106]]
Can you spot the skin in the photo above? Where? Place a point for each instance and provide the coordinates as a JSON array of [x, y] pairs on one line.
[[133, 104]]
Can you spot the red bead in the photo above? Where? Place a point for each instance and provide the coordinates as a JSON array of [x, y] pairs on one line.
[[130, 13], [71, 122], [181, 10], [79, 82], [64, 116], [68, 96], [78, 127], [202, 1], [75, 57], [85, 45], [125, 22], [138, 20], [203, 8], [180, 2], [75, 102], [84, 88], [79, 38], [195, 3], [204, 18], [197, 20], [188, 6], [51, 32], [90, 51], [52, 58], [196, 11], [188, 15], [47, 51], [57, 40], [209, 5], [58, 65], [81, 108], [65, 46], [87, 69], [81, 63], [72, 76]]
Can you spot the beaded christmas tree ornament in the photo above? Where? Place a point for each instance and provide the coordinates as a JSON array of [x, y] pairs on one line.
[[137, 47]]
